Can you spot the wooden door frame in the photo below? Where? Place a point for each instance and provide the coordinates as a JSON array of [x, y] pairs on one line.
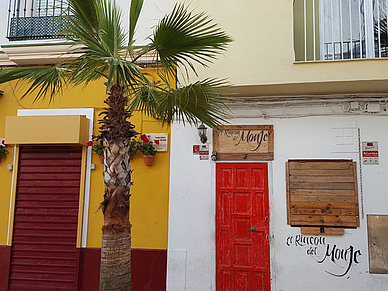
[[270, 194]]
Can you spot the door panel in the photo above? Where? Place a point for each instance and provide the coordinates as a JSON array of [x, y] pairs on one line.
[[43, 255], [242, 227]]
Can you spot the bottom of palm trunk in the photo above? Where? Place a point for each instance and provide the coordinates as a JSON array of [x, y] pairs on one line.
[[115, 269]]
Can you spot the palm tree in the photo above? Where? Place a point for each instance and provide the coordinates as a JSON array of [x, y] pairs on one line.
[[103, 50]]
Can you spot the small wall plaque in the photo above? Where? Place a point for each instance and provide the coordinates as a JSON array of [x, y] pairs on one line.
[[161, 138], [370, 153], [244, 142]]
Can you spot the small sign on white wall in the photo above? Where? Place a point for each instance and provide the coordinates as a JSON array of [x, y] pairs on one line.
[[370, 153], [203, 152]]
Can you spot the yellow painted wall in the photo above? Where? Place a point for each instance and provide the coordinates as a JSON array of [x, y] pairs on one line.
[[263, 49], [149, 200]]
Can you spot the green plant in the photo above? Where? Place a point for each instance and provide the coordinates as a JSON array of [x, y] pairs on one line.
[[97, 148], [134, 146], [3, 152], [148, 149], [147, 146]]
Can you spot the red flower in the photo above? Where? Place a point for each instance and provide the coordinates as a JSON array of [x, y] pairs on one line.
[[3, 141], [94, 137], [90, 143], [144, 138], [156, 141]]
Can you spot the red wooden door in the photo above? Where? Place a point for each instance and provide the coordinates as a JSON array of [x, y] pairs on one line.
[[242, 227], [43, 255]]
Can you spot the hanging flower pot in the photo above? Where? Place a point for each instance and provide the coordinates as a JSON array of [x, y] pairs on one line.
[[101, 157], [148, 160], [147, 149]]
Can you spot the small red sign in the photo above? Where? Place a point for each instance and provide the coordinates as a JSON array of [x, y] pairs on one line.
[[196, 149], [204, 150], [370, 154]]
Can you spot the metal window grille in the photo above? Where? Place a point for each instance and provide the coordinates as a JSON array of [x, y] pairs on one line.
[[341, 29], [35, 19]]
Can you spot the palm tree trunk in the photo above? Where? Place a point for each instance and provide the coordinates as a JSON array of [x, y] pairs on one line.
[[115, 269], [116, 131]]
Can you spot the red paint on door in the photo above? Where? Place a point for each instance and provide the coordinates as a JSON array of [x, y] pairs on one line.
[[242, 227]]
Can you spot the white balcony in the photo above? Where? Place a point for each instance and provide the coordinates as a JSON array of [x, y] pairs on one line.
[[34, 19]]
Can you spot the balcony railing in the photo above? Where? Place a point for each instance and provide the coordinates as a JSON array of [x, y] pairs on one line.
[[340, 29], [35, 19]]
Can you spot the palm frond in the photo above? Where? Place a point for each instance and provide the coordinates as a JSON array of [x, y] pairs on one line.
[[105, 39], [85, 13], [136, 6], [44, 81], [111, 33], [184, 37], [181, 38], [201, 102]]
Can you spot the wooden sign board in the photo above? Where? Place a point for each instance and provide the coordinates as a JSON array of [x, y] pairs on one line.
[[244, 143]]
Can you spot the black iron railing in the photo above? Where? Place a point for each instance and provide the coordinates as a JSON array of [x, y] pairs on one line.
[[35, 19]]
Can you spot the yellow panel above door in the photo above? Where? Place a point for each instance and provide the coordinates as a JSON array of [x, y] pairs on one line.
[[58, 129]]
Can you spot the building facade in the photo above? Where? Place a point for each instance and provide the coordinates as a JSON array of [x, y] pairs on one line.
[[52, 184], [291, 196], [308, 211]]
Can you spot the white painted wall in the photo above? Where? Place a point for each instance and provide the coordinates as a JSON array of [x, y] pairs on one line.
[[153, 11], [191, 247]]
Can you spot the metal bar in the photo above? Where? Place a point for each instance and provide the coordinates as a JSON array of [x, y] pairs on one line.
[[16, 14], [40, 7], [351, 29], [31, 15], [9, 16], [378, 26], [305, 30], [386, 25], [315, 53], [369, 34], [332, 28], [45, 22], [341, 30], [360, 27], [322, 30], [25, 8], [17, 8]]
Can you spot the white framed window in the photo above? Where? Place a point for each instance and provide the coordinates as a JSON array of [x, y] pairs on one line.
[[352, 29], [340, 29]]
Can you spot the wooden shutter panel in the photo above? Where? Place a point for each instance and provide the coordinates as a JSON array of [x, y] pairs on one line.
[[44, 255], [322, 193]]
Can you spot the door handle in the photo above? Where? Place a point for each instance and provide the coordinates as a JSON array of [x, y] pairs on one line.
[[253, 228]]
